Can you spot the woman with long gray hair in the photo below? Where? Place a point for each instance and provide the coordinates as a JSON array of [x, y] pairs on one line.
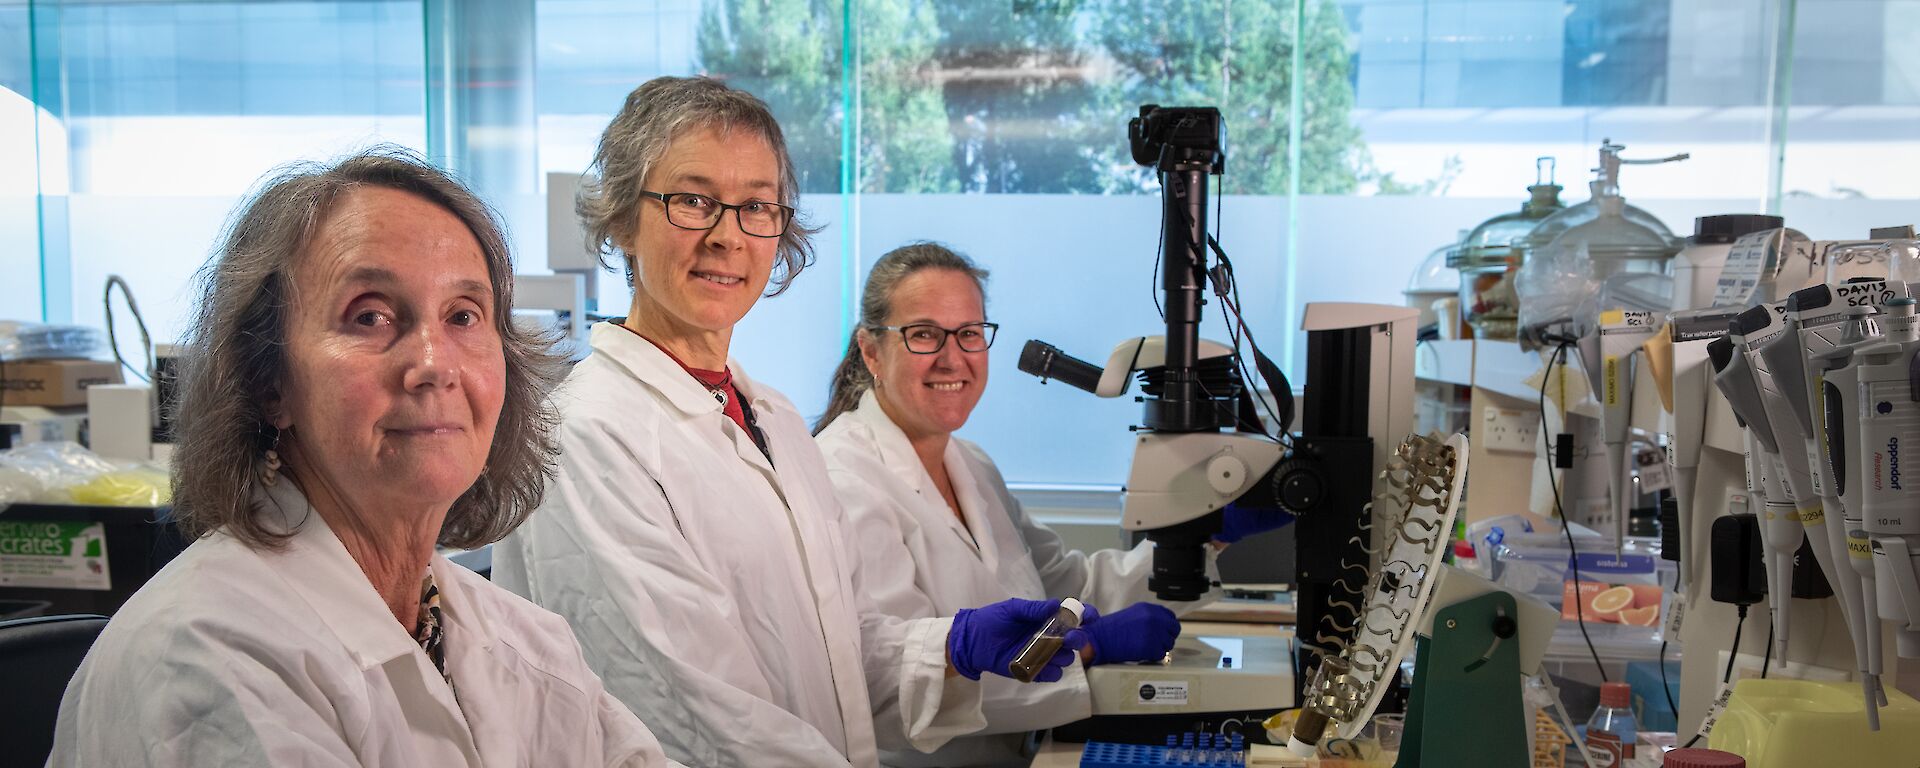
[[938, 529], [690, 533], [355, 393]]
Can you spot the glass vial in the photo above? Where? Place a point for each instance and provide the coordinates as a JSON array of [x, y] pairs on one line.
[[1045, 643]]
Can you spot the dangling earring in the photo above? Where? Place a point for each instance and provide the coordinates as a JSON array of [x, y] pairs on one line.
[[271, 473]]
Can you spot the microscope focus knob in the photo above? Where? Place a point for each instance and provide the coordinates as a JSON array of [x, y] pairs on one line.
[[1299, 486], [1227, 474]]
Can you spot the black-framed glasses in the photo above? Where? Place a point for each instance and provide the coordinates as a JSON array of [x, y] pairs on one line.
[[690, 210], [927, 338]]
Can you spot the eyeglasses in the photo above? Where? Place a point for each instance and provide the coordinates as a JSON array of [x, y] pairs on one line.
[[688, 210], [927, 338]]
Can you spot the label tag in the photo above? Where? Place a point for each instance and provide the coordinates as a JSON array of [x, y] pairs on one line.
[[1676, 613], [1713, 712], [1746, 265], [1813, 516], [1611, 378], [67, 555], [1652, 468], [1161, 693]]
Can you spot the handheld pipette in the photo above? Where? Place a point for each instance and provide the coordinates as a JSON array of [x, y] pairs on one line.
[[1780, 528], [1839, 395]]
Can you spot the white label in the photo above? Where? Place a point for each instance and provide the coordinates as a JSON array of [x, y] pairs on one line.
[[1652, 469], [1713, 712], [1676, 612], [1156, 693], [62, 555], [1746, 265]]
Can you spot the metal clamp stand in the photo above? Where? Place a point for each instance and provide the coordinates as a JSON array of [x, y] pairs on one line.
[[1467, 707]]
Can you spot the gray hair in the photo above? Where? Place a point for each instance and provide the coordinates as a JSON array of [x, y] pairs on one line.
[[656, 114], [851, 379], [235, 359]]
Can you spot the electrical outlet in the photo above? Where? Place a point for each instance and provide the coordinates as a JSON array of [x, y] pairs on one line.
[[1509, 430]]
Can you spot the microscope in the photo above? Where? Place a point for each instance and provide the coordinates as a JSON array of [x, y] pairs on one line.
[[1202, 443]]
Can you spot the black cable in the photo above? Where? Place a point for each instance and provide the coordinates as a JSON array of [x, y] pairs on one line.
[[1767, 660], [1662, 661], [1733, 654], [1229, 295], [1566, 525]]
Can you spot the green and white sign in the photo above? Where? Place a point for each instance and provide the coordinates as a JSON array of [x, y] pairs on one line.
[[54, 555]]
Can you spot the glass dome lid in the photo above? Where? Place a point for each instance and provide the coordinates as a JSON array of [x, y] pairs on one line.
[[1606, 186], [1611, 235], [1493, 241], [1436, 273]]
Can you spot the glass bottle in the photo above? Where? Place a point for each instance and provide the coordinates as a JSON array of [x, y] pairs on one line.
[[1612, 730], [1034, 656]]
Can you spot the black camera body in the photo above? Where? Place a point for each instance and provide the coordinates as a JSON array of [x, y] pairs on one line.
[[1179, 138]]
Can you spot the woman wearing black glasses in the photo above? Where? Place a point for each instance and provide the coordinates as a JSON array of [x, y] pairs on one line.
[[938, 530], [689, 532]]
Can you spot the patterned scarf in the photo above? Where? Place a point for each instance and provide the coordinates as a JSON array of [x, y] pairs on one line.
[[428, 632]]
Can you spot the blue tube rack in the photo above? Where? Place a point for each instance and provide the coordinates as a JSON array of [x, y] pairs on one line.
[[1191, 750]]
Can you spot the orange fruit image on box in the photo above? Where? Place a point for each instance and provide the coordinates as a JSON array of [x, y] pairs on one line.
[[1637, 604]]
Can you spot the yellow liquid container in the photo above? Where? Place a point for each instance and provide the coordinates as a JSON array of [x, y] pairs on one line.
[[1797, 723]]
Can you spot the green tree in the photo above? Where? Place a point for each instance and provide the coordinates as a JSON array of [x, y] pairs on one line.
[[905, 144], [1016, 82], [1199, 54], [788, 52]]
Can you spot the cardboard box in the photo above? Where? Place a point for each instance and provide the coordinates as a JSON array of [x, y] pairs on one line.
[[54, 383]]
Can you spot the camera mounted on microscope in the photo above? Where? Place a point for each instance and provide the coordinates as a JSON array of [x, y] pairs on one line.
[[1178, 138]]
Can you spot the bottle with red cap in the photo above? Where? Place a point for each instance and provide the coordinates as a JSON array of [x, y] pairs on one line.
[[1612, 730], [1703, 758]]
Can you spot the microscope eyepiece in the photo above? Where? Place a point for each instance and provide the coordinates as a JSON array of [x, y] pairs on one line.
[[1048, 362]]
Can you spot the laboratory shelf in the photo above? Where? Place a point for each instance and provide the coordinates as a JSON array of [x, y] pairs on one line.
[[1500, 366]]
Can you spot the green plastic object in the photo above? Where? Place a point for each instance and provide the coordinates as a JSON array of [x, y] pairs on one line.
[[1466, 707]]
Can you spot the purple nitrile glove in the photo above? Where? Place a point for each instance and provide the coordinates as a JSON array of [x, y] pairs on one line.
[[987, 639], [1239, 522], [1138, 632]]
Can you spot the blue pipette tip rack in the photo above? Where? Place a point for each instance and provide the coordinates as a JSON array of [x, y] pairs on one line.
[[1205, 752]]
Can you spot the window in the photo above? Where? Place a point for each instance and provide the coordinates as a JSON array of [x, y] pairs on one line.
[[997, 127], [172, 111]]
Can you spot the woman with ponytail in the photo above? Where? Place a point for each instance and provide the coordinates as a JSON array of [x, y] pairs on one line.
[[938, 530]]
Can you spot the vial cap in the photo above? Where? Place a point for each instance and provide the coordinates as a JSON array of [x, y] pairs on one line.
[[1703, 758], [1616, 695], [1073, 606]]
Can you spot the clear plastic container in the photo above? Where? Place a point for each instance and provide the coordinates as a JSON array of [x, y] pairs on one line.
[[1873, 260], [1489, 256], [1572, 254], [1537, 564], [30, 341]]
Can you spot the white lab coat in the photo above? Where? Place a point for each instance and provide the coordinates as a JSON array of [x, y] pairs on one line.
[[234, 656], [921, 561], [717, 594]]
